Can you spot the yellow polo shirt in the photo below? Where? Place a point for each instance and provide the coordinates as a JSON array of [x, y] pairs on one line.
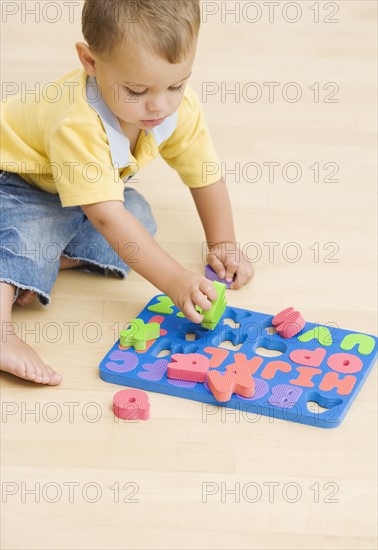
[[64, 139]]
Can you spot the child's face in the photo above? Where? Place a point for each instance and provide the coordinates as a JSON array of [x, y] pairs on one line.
[[137, 86]]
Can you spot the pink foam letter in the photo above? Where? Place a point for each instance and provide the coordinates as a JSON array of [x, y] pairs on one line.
[[131, 404]]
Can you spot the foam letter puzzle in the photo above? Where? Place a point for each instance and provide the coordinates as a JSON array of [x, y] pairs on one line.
[[284, 385], [191, 366], [131, 404], [218, 307]]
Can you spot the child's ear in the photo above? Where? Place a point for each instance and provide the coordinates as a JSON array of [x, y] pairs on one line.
[[86, 58]]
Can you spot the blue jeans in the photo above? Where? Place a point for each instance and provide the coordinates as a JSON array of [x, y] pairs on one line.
[[35, 231]]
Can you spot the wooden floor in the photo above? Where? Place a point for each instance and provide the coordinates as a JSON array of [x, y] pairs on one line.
[[102, 484]]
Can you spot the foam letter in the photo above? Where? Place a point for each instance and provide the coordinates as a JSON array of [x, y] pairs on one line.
[[305, 376], [365, 343], [321, 334], [307, 357], [236, 379], [284, 396], [271, 369], [344, 362], [189, 366], [288, 322], [218, 355], [331, 380], [131, 404]]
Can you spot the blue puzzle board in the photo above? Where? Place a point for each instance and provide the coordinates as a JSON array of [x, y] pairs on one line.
[[285, 389]]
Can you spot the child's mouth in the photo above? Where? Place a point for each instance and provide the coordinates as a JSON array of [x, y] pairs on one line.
[[154, 122]]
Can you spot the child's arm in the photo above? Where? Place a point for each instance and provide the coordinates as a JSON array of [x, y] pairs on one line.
[[120, 229], [225, 257]]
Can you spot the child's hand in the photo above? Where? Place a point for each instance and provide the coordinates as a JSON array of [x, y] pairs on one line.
[[188, 289], [229, 263]]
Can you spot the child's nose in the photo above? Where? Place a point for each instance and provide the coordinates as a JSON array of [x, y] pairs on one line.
[[157, 107]]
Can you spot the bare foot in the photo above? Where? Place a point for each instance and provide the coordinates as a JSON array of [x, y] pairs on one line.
[[21, 360], [25, 297]]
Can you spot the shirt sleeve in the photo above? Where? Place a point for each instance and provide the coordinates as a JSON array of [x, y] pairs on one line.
[[81, 164], [190, 150]]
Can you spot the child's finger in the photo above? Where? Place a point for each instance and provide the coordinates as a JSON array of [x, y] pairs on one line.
[[208, 289], [240, 280], [237, 283], [218, 266], [190, 313], [231, 269], [201, 300]]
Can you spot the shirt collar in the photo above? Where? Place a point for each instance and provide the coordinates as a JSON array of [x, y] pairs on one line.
[[119, 143]]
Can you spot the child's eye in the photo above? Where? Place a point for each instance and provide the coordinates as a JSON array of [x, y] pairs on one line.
[[132, 93], [178, 88]]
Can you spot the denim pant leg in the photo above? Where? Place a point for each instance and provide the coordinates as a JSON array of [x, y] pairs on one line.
[[34, 230], [90, 246]]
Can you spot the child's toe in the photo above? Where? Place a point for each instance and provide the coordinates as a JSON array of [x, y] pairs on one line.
[[38, 373], [55, 379], [21, 369], [30, 372]]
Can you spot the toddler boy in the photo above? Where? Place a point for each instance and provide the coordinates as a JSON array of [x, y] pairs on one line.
[[65, 162]]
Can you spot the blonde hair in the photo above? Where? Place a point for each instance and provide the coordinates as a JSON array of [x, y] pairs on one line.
[[167, 28]]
